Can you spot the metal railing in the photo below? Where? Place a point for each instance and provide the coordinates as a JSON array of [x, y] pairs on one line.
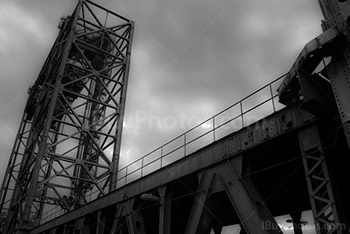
[[231, 119]]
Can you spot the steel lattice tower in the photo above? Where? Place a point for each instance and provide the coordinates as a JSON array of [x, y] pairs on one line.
[[66, 152]]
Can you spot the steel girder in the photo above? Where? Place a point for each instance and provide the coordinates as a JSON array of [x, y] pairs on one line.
[[336, 14], [325, 207], [249, 206], [66, 152], [129, 215]]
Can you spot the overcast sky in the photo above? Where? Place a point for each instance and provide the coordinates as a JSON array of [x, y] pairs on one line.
[[190, 58]]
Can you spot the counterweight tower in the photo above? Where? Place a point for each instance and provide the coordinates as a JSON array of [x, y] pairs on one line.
[[66, 152]]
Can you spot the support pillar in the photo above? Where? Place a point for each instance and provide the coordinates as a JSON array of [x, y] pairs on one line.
[[336, 14], [53, 231], [297, 224], [101, 222], [133, 219], [217, 229], [165, 193], [116, 218], [207, 181], [324, 208], [79, 226], [339, 74], [250, 208]]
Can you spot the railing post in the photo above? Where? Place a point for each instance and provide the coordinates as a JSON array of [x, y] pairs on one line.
[[142, 166], [161, 157], [185, 144], [241, 106], [273, 102], [126, 175], [213, 129]]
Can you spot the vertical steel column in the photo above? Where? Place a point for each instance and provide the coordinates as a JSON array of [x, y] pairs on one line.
[[207, 182], [122, 103], [320, 189], [43, 146], [250, 208], [15, 171], [339, 74], [117, 215], [133, 219], [165, 194], [336, 14]]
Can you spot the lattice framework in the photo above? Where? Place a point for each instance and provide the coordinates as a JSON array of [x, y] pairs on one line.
[[66, 152]]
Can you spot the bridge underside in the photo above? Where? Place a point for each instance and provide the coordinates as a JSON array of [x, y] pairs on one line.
[[246, 178]]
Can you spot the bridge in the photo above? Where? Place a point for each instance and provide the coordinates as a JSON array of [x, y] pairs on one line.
[[293, 158], [247, 175]]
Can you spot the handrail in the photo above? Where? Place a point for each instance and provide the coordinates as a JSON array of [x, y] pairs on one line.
[[125, 174]]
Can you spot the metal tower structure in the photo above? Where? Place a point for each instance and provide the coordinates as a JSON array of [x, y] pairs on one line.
[[66, 152]]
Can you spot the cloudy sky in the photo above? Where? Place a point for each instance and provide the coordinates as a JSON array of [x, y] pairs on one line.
[[190, 58]]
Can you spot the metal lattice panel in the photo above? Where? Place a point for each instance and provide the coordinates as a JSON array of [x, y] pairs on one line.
[[319, 184], [67, 149]]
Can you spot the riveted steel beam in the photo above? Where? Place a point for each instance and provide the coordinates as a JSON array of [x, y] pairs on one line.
[[324, 208]]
